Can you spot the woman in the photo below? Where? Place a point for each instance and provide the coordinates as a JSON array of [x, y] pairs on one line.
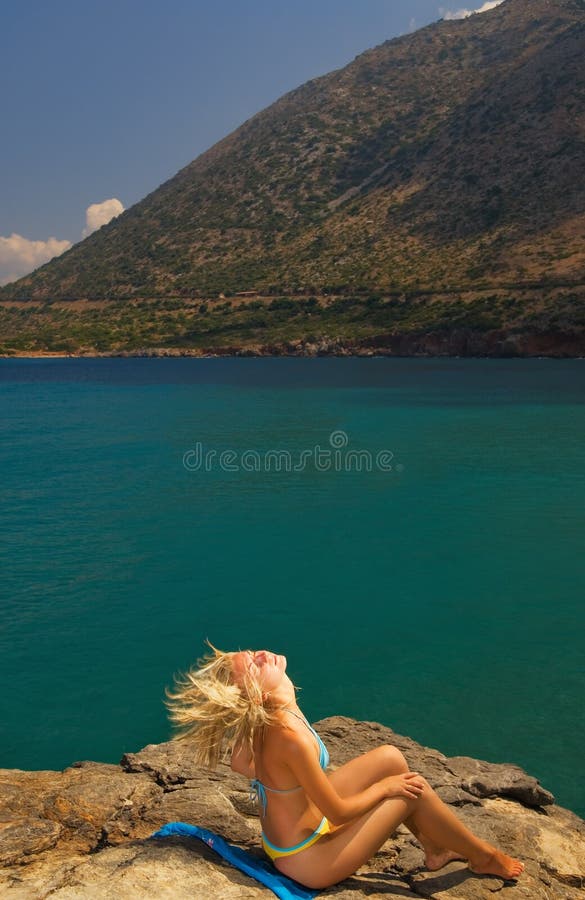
[[318, 826]]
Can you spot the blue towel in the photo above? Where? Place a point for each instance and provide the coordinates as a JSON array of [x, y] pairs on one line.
[[262, 871]]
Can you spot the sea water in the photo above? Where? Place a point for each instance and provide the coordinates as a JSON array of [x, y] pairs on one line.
[[409, 532]]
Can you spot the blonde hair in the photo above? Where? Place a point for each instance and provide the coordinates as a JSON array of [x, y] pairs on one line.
[[212, 712]]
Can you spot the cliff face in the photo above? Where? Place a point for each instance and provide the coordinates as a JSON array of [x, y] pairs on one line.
[[83, 832]]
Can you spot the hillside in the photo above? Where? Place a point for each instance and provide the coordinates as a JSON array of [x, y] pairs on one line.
[[448, 160]]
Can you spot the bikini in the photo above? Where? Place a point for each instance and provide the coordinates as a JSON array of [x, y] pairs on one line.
[[258, 792]]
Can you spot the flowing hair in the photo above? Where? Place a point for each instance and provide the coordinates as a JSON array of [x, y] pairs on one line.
[[208, 709]]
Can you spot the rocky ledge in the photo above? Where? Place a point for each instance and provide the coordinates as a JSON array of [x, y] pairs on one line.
[[83, 832]]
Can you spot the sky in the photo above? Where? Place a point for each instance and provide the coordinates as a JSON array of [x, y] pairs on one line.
[[104, 101]]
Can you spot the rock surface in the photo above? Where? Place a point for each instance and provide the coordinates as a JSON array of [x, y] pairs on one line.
[[83, 832]]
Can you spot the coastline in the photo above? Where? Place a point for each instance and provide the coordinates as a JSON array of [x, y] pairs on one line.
[[465, 343]]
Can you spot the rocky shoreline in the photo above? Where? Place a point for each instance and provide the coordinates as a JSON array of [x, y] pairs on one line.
[[459, 342], [83, 832]]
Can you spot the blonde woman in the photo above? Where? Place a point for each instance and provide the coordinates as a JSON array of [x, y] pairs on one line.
[[318, 826]]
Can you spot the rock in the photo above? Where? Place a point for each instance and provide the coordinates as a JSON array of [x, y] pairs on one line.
[[453, 342], [493, 780], [20, 838], [84, 832]]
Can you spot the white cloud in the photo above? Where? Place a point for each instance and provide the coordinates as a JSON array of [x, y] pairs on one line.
[[19, 256], [464, 13], [99, 214]]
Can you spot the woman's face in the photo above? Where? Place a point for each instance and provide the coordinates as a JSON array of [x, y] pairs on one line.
[[266, 668]]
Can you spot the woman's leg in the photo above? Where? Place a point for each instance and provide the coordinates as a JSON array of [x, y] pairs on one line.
[[338, 855], [441, 825], [363, 771], [443, 836]]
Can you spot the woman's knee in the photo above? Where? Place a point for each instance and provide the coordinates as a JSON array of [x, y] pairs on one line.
[[392, 759], [426, 786]]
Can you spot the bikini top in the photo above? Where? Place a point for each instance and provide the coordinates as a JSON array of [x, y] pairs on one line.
[[258, 790]]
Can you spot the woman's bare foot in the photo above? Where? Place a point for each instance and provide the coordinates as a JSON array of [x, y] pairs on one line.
[[436, 856], [437, 859], [494, 862]]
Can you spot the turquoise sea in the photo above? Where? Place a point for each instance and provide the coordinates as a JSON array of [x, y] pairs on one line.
[[440, 590]]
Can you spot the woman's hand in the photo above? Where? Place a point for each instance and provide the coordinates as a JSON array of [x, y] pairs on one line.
[[408, 784]]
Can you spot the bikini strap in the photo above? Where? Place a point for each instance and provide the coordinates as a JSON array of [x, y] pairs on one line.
[[301, 717], [258, 792]]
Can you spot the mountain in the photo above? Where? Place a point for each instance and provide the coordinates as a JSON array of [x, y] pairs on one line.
[[447, 160]]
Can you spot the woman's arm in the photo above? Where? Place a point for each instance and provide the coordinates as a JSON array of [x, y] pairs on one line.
[[299, 754], [242, 761]]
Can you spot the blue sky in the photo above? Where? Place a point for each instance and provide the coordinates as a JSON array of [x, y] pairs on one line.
[[104, 101]]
